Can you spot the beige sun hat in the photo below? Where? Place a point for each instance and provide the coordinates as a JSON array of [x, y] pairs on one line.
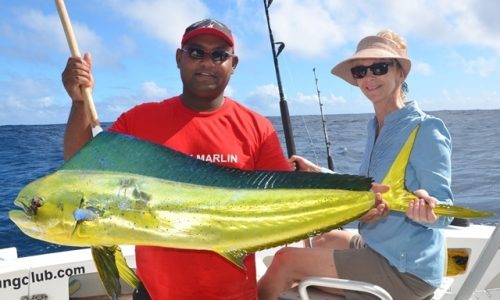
[[372, 47]]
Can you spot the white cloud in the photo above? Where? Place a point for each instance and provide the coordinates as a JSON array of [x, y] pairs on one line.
[[114, 106], [307, 28], [151, 90], [313, 99], [301, 104], [421, 68], [111, 107], [229, 91], [460, 99], [482, 66], [159, 19], [264, 99], [314, 27], [36, 36], [46, 28], [31, 35], [30, 101], [463, 34]]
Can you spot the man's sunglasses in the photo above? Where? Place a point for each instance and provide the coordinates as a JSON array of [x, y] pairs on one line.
[[216, 56], [377, 69]]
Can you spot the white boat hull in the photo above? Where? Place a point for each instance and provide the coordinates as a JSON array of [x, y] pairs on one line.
[[57, 276]]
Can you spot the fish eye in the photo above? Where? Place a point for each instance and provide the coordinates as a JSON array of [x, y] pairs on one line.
[[33, 206]]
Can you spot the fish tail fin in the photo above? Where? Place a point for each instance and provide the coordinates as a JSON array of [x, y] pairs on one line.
[[445, 210], [111, 265], [398, 195]]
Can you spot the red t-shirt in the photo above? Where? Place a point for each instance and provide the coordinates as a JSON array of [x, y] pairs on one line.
[[232, 136]]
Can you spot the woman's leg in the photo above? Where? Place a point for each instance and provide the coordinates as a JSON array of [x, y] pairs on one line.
[[292, 265]]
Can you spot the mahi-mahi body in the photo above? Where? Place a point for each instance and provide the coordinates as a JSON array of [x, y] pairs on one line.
[[121, 190]]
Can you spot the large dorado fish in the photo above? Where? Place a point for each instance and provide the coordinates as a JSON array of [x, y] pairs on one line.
[[121, 190]]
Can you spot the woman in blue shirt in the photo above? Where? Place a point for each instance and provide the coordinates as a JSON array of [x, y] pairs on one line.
[[402, 253]]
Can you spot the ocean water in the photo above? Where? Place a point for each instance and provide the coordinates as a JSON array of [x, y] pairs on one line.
[[30, 152]]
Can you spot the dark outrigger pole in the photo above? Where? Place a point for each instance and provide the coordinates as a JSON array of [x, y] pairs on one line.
[[285, 116], [331, 164]]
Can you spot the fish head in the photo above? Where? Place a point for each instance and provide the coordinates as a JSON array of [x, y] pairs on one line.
[[47, 211]]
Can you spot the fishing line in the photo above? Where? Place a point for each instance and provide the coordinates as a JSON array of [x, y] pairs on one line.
[[311, 148], [311, 144]]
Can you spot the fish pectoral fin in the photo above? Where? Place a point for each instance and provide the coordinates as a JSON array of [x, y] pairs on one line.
[[104, 259], [235, 256], [125, 272]]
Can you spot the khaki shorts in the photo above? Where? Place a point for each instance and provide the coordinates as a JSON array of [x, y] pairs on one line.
[[361, 263]]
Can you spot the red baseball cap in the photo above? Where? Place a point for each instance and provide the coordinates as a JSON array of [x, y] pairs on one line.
[[208, 26]]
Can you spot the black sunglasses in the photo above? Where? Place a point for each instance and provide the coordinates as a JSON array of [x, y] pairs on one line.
[[216, 56], [377, 69]]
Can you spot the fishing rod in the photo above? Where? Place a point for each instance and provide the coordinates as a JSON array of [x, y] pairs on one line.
[[331, 165], [285, 115]]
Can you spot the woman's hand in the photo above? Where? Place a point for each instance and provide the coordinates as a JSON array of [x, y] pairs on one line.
[[422, 208]]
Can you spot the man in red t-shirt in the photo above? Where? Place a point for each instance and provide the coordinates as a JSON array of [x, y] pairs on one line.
[[200, 122]]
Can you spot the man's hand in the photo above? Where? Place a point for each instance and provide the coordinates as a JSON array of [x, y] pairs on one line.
[[300, 163], [78, 75], [381, 207]]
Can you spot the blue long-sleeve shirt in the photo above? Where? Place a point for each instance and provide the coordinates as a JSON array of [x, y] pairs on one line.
[[409, 246]]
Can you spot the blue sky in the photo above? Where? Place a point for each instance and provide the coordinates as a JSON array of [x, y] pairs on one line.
[[454, 46]]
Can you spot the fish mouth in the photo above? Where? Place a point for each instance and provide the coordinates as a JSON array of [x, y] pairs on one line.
[[25, 218], [19, 217], [25, 222]]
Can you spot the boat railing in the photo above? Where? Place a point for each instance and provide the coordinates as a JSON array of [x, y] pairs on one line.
[[480, 267], [344, 284]]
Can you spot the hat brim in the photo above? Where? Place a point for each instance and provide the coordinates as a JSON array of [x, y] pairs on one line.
[[343, 69], [209, 31]]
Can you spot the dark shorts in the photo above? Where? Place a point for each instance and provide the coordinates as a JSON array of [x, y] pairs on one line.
[[140, 293], [363, 264]]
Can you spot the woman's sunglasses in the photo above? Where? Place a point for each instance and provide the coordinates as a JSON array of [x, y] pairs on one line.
[[377, 69], [216, 56]]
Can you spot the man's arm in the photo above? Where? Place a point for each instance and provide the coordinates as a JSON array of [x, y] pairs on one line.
[[76, 76], [78, 129]]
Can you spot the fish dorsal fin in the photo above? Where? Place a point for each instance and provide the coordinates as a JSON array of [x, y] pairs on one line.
[[395, 177]]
